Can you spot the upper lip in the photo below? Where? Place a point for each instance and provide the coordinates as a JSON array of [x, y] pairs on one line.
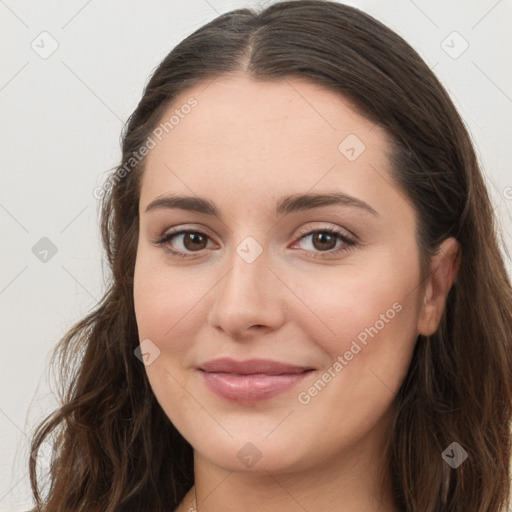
[[251, 366]]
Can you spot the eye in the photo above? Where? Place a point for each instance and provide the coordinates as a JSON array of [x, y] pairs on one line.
[[324, 242], [189, 240]]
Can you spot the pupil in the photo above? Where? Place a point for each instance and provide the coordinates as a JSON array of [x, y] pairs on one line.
[[194, 238], [324, 238]]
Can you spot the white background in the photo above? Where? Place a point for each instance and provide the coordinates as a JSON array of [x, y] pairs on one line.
[[61, 118]]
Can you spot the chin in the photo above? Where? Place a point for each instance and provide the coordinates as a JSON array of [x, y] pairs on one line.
[[255, 454]]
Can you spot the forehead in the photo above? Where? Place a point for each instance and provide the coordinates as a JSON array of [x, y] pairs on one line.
[[265, 118], [249, 136]]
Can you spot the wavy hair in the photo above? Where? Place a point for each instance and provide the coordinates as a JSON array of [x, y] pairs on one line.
[[115, 449]]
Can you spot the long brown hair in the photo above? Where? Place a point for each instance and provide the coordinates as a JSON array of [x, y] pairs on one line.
[[115, 450]]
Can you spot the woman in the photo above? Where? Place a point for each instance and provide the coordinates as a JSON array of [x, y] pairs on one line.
[[309, 309]]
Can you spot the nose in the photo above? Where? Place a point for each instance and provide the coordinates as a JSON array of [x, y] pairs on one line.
[[249, 298]]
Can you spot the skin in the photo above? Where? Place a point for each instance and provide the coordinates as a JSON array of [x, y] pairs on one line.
[[244, 146]]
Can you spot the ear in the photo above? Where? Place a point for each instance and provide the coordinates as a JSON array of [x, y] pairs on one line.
[[443, 271]]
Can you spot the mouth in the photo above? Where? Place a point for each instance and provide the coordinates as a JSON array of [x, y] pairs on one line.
[[251, 380]]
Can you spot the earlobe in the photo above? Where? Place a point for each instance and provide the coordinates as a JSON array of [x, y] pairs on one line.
[[443, 272]]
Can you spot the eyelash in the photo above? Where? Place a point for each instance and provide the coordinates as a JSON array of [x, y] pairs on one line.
[[348, 242]]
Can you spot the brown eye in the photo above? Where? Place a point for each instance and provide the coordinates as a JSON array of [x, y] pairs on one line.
[[324, 241], [183, 242], [193, 241]]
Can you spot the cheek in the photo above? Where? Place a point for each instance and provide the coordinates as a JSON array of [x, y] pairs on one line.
[[165, 300], [368, 316], [170, 312], [166, 312], [373, 319]]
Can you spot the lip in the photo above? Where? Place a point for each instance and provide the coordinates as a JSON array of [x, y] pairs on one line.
[[251, 380], [251, 367]]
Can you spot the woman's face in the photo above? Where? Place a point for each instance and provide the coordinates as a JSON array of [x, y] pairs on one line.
[[278, 335]]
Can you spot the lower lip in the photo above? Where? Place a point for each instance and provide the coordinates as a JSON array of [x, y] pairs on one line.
[[251, 388]]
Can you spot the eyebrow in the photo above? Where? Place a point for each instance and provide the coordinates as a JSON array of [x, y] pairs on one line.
[[287, 204]]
